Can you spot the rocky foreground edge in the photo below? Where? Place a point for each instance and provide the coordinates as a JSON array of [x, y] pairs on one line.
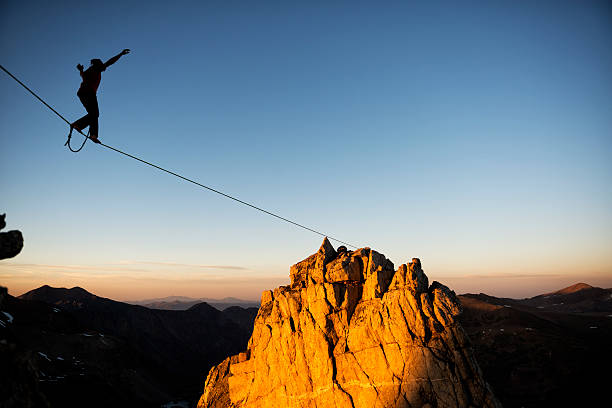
[[350, 331]]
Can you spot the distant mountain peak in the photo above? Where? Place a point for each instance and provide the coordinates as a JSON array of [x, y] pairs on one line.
[[73, 290], [203, 307], [76, 295], [79, 289], [573, 289]]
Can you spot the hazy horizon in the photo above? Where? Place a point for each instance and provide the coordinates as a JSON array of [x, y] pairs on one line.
[[476, 137], [499, 285]]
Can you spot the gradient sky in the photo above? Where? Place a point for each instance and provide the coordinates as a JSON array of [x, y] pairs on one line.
[[475, 136]]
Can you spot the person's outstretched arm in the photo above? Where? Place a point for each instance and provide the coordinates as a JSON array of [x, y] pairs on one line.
[[116, 58], [80, 68]]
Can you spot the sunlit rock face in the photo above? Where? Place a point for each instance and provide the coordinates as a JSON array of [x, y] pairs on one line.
[[351, 331]]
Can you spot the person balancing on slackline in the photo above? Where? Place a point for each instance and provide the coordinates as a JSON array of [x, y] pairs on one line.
[[87, 94]]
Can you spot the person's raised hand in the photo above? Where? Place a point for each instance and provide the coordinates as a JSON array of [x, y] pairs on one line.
[[79, 67], [126, 51]]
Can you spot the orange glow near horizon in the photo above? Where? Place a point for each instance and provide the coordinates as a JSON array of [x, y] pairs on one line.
[[142, 280]]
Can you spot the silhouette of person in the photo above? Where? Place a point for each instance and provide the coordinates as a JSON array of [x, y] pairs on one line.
[[87, 94]]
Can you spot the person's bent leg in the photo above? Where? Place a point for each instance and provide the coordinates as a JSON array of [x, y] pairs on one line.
[[94, 115], [90, 102], [81, 123]]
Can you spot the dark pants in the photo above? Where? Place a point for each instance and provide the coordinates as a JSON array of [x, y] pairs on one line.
[[90, 102]]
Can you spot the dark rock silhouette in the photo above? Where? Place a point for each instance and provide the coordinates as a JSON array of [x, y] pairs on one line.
[[11, 242], [19, 375]]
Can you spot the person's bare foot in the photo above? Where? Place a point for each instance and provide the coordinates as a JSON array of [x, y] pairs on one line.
[[95, 139]]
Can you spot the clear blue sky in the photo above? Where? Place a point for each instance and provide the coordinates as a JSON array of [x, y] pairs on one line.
[[476, 136]]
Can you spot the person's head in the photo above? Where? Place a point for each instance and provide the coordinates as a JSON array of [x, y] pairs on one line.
[[97, 63]]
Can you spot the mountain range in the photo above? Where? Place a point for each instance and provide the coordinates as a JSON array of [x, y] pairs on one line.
[[68, 347], [80, 345], [551, 350], [184, 302]]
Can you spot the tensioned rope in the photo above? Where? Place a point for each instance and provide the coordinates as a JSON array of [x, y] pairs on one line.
[[176, 174]]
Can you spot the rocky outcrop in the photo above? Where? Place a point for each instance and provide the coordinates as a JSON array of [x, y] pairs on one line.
[[11, 242], [351, 331]]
